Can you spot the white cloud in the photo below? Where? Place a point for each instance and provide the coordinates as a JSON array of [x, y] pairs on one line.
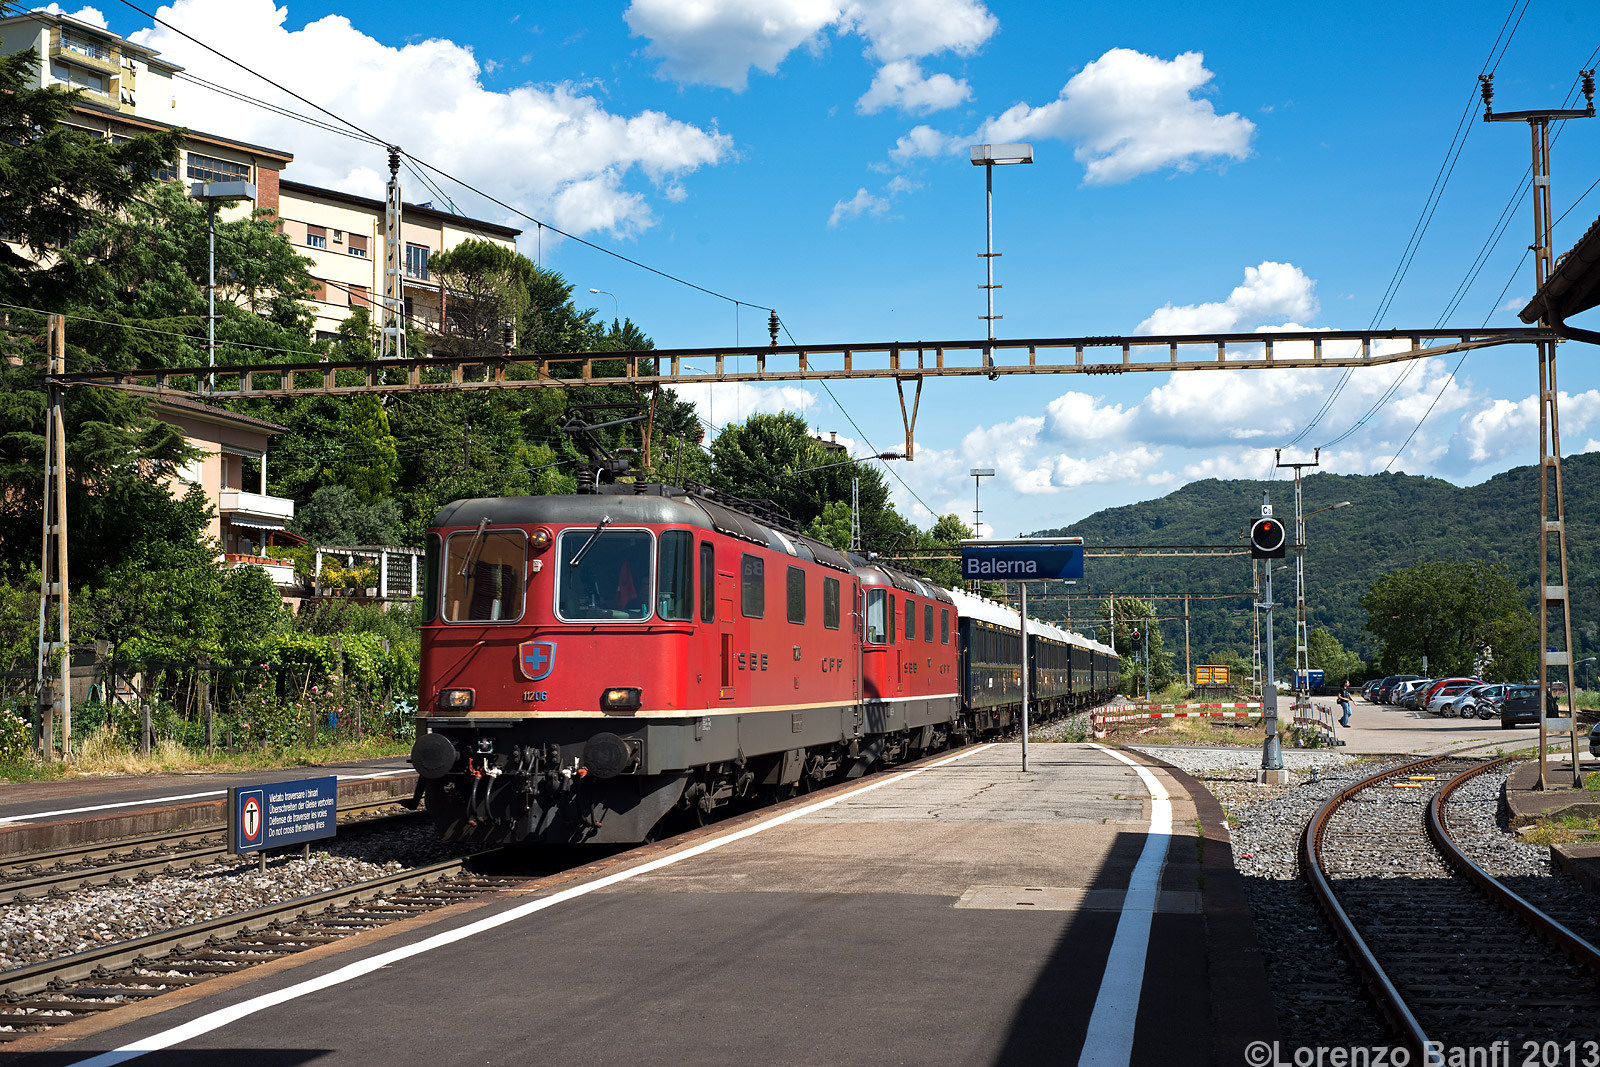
[[1080, 417], [924, 141], [91, 15], [1501, 428], [553, 150], [1269, 291], [902, 85], [724, 403], [1131, 114], [717, 42], [863, 203]]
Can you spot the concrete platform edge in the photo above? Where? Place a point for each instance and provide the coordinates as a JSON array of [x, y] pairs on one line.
[[1240, 995]]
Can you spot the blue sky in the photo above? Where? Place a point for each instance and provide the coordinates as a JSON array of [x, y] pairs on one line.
[[1199, 167]]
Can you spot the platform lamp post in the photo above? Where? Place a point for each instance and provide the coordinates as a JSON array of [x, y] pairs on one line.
[[616, 305], [212, 193], [989, 156]]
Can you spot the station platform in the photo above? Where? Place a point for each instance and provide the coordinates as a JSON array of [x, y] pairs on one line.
[[955, 911], [37, 816]]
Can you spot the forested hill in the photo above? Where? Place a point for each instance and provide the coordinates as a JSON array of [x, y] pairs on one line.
[[1395, 520]]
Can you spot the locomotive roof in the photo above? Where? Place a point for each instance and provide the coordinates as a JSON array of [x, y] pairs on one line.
[[664, 506], [875, 569]]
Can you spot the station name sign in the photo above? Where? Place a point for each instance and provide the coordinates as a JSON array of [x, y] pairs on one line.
[[1034, 560], [282, 813]]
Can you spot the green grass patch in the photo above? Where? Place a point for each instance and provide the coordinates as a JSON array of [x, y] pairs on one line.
[[169, 758], [1564, 830]]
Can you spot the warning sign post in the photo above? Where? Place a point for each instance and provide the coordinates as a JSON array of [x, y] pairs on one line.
[[280, 814]]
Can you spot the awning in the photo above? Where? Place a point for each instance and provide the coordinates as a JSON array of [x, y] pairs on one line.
[[252, 524]]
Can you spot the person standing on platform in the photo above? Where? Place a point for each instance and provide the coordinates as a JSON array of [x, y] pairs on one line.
[[1344, 703]]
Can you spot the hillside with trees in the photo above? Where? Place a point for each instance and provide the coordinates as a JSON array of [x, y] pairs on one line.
[[1395, 521]]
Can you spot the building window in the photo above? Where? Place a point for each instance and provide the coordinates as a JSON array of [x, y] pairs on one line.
[[358, 245], [86, 47], [417, 261], [360, 296], [212, 169], [319, 290], [316, 236]]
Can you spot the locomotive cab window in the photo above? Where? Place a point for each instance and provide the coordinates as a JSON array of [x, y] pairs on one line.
[[611, 579], [830, 603], [877, 615], [753, 587], [483, 576], [708, 582], [675, 571], [430, 578], [796, 580]]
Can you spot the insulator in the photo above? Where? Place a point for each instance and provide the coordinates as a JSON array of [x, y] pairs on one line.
[[1486, 85], [772, 322], [1588, 87]]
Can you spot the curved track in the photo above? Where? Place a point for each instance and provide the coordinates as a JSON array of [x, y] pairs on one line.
[[1450, 969]]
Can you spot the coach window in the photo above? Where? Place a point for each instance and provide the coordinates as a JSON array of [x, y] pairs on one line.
[[752, 587], [796, 587], [911, 619], [603, 574], [877, 617], [891, 618], [927, 622], [830, 603], [483, 576], [675, 576], [708, 582]]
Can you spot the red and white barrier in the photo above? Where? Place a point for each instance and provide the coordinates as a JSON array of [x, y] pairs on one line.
[[1141, 712]]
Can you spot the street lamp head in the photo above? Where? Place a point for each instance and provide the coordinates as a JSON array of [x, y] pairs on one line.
[[988, 155], [982, 472]]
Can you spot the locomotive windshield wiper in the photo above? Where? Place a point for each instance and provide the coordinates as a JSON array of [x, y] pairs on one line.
[[472, 549], [577, 557]]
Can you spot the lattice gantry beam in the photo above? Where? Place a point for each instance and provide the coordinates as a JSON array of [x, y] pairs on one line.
[[902, 361]]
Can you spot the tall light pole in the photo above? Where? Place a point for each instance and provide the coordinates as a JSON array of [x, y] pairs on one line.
[[989, 156], [211, 193], [978, 475], [1302, 683], [616, 305]]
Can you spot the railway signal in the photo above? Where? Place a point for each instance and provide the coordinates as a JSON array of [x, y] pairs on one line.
[[1267, 538]]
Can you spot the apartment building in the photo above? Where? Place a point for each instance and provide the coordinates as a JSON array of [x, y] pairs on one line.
[[343, 236], [115, 73]]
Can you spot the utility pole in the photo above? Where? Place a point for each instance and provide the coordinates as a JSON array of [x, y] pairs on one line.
[[1552, 510], [55, 695], [392, 307], [1302, 644], [1188, 669]]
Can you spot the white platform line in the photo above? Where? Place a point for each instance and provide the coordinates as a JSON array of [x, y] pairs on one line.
[[223, 1016], [1116, 1008], [36, 816]]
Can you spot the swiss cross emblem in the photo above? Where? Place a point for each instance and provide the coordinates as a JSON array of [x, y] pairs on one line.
[[537, 659]]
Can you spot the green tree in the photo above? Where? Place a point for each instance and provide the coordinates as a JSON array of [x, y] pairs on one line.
[[832, 526], [1462, 617], [1326, 654], [368, 465], [488, 295], [946, 537], [336, 515]]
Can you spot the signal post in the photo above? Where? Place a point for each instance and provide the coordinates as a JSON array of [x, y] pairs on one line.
[[1267, 541]]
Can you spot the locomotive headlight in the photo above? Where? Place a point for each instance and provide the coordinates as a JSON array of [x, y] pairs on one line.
[[622, 698], [540, 539], [455, 700]]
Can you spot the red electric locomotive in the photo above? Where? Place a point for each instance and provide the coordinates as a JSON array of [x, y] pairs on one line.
[[593, 662]]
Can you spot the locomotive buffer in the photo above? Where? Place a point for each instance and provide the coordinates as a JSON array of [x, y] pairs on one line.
[[1024, 560]]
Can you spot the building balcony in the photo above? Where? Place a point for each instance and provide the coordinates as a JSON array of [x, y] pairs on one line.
[[280, 570], [236, 503]]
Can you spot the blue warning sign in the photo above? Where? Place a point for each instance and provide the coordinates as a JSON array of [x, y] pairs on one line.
[[282, 813]]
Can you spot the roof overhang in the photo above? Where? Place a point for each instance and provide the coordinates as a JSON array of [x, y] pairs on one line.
[[1572, 288]]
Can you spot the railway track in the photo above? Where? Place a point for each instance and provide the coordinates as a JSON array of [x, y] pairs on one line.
[[34, 875], [1450, 968], [52, 993]]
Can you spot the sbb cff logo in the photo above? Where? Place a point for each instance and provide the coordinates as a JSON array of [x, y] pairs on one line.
[[1267, 539]]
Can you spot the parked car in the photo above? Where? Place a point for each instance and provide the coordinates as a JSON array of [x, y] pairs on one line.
[[1479, 701], [1444, 696], [1594, 739], [1518, 704], [1406, 693], [1441, 684], [1386, 689]]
